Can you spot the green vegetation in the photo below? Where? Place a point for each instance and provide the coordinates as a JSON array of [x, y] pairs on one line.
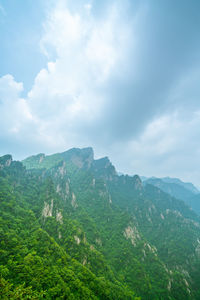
[[71, 228]]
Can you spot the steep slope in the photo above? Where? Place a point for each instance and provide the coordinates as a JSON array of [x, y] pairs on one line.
[[149, 239], [39, 244], [86, 198]]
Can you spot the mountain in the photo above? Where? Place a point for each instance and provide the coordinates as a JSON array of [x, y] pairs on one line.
[[187, 185], [194, 202], [43, 252], [72, 228], [178, 189]]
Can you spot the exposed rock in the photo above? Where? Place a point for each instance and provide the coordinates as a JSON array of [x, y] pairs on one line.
[[148, 218], [197, 249], [8, 162], [77, 161], [58, 189], [132, 233], [102, 193], [73, 202], [81, 158], [93, 182], [162, 217], [84, 261], [5, 161], [169, 285], [98, 241], [62, 169], [103, 168], [90, 157], [137, 182], [84, 239], [177, 213], [59, 217], [186, 283], [144, 253], [48, 209], [77, 239], [67, 188], [151, 248], [41, 158]]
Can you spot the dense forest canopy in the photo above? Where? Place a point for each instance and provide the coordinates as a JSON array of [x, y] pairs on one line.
[[72, 228]]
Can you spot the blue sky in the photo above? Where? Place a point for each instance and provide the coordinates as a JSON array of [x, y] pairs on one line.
[[20, 32], [120, 76]]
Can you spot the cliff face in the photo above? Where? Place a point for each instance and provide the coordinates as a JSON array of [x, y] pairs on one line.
[[5, 161]]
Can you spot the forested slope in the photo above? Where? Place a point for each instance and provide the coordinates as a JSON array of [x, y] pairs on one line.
[[33, 264], [71, 228]]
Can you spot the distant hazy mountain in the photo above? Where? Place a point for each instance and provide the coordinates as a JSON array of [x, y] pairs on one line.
[[178, 189], [189, 186]]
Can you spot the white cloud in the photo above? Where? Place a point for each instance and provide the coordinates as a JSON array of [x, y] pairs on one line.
[[65, 95], [17, 121], [103, 87], [169, 146], [9, 89], [14, 110]]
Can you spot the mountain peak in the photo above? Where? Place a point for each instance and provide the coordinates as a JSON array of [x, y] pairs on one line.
[[81, 151], [137, 182], [104, 168], [81, 158], [5, 160]]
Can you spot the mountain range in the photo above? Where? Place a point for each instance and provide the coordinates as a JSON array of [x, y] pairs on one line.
[[73, 228], [181, 190]]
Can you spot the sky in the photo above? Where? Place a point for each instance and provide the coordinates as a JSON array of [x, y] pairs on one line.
[[121, 76]]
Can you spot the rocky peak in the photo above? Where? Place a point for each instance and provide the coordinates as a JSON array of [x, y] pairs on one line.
[[34, 161], [41, 157], [82, 158], [130, 183], [103, 168], [5, 161], [137, 182]]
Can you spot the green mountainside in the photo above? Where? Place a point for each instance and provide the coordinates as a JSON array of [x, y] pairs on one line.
[[72, 228]]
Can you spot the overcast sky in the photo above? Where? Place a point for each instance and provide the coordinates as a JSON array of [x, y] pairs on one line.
[[122, 76]]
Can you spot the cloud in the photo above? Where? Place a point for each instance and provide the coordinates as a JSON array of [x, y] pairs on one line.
[[16, 117], [67, 93], [165, 47], [64, 95], [169, 146], [122, 76]]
